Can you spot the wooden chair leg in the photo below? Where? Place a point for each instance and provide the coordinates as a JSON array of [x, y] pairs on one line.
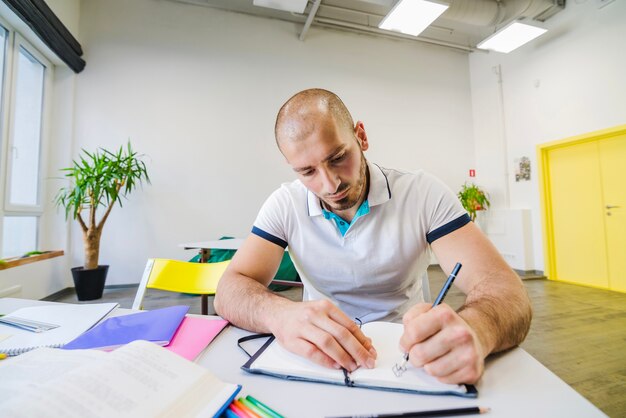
[[205, 253], [205, 304]]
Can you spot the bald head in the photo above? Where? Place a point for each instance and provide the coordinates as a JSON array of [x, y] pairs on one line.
[[303, 112]]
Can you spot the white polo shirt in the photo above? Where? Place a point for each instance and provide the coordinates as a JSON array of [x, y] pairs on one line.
[[374, 271]]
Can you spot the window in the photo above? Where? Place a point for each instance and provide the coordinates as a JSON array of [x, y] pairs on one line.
[[3, 47], [19, 235], [25, 141], [26, 76]]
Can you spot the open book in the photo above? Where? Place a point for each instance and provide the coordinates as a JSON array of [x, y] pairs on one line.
[[274, 360], [140, 379]]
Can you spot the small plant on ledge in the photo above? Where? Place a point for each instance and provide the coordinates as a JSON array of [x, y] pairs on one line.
[[473, 199]]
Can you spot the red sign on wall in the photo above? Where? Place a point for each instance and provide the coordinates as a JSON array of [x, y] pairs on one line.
[[472, 172]]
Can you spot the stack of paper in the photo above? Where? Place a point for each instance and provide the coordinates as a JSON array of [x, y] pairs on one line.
[[185, 336], [71, 320], [157, 326]]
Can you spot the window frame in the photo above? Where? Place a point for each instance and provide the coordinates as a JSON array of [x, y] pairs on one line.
[[18, 43], [15, 41]]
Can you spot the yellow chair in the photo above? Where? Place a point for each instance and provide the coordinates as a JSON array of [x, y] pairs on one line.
[[181, 277]]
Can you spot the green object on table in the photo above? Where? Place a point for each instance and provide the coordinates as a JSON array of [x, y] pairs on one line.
[[286, 270], [264, 407]]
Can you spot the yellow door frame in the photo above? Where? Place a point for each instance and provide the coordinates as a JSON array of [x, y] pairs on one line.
[[545, 191]]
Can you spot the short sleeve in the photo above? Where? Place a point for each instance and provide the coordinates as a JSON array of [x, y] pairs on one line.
[[271, 221], [445, 212]]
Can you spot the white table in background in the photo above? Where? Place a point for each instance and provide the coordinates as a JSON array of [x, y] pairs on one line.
[[204, 247], [204, 250]]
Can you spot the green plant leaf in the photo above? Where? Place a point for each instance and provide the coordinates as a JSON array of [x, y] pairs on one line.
[[473, 199], [100, 179]]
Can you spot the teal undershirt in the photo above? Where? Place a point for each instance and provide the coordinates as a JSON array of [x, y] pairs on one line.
[[342, 225]]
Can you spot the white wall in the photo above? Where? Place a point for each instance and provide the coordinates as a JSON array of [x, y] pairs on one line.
[[570, 81], [43, 278], [197, 89], [68, 12]]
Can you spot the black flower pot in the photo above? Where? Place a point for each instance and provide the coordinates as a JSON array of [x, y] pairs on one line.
[[89, 284]]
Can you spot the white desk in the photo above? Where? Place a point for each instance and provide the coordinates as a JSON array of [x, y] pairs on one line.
[[514, 385], [205, 247]]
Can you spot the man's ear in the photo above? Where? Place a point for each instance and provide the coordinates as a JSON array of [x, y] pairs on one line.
[[361, 135]]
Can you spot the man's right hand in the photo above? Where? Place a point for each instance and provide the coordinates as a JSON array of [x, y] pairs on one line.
[[317, 330], [321, 332]]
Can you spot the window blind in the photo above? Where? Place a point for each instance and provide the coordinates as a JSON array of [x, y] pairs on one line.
[[40, 18]]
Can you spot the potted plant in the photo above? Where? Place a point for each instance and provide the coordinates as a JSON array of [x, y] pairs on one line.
[[97, 181], [473, 199]]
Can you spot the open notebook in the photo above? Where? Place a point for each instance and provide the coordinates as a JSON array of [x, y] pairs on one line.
[[71, 320], [274, 360]]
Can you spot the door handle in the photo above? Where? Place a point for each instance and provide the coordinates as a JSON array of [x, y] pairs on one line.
[[612, 206]]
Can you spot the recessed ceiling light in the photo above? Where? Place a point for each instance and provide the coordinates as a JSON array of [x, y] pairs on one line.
[[412, 16], [512, 36], [296, 6]]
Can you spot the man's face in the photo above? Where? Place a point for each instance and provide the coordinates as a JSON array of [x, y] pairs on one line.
[[330, 163]]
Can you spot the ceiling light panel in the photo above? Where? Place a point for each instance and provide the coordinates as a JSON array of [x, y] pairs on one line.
[[511, 37], [296, 6], [412, 16]]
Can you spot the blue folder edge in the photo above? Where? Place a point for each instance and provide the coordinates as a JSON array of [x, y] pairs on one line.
[[158, 326], [228, 402]]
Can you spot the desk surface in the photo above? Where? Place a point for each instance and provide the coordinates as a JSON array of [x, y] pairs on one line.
[[514, 385]]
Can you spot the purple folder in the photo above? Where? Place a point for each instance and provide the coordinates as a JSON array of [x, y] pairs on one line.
[[157, 326]]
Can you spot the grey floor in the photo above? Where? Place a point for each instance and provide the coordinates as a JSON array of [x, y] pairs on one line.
[[577, 332]]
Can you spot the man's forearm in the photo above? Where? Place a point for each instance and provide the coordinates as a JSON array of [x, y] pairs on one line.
[[499, 314], [247, 303]]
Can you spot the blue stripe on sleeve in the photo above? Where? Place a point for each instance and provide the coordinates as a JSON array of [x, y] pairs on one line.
[[447, 228], [271, 238]]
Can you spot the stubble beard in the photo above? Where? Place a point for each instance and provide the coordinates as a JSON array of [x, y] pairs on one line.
[[350, 201]]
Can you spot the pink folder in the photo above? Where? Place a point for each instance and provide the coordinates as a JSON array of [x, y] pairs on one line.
[[194, 334]]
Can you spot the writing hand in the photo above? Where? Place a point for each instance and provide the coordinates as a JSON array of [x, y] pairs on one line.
[[321, 332], [439, 340]]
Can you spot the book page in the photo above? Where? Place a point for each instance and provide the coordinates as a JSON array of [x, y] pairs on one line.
[[37, 367], [279, 360], [140, 379], [385, 337]]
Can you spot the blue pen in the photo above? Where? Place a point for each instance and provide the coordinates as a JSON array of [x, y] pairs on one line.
[[398, 369], [446, 286]]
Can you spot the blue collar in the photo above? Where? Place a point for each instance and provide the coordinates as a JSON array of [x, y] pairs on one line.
[[342, 225]]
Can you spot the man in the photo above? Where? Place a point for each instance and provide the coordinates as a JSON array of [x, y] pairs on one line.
[[359, 235]]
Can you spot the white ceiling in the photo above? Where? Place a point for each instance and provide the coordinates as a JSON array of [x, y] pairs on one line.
[[462, 26]]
